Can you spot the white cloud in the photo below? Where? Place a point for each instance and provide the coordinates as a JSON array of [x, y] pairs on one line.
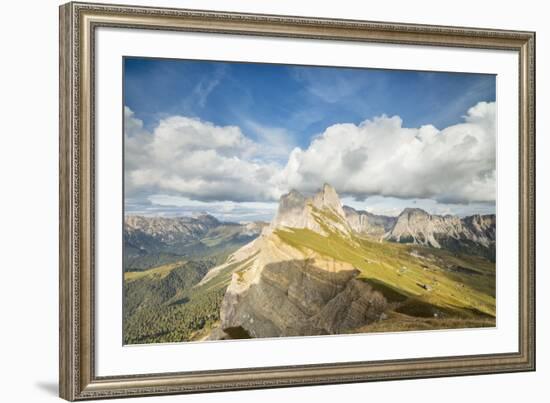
[[171, 205], [197, 160], [227, 205], [381, 157]]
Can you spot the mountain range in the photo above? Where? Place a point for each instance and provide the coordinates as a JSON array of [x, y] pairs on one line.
[[317, 268], [473, 234], [150, 241]]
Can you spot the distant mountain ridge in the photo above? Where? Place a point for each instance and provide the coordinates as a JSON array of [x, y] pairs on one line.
[[150, 241], [413, 225], [171, 229], [367, 223], [473, 234]]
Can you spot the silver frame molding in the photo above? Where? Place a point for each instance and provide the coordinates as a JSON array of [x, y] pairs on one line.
[[78, 22]]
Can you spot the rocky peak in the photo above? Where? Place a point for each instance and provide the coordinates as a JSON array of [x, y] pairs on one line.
[[328, 198], [290, 212], [207, 219], [411, 212], [291, 200], [473, 234], [298, 211], [481, 221]]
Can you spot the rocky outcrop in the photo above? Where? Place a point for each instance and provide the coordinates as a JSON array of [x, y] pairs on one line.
[[482, 227], [366, 223], [327, 198], [323, 210], [278, 289], [291, 211], [285, 293], [474, 234], [253, 228], [284, 288]]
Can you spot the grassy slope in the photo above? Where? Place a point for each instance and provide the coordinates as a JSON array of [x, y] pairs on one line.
[[216, 245], [164, 304], [156, 272], [420, 280], [161, 300]]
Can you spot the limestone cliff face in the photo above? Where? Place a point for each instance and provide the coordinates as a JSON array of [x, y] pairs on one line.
[[278, 289], [327, 198], [291, 211], [284, 288], [367, 223], [323, 209], [474, 234], [287, 293]]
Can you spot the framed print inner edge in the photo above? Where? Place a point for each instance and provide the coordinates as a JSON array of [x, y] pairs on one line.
[[78, 22]]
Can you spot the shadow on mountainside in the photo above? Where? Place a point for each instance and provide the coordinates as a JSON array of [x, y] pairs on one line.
[[299, 298]]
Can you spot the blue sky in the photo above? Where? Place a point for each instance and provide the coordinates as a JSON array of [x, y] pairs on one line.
[[279, 108]]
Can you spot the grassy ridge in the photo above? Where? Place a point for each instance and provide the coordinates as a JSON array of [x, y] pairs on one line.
[[457, 285]]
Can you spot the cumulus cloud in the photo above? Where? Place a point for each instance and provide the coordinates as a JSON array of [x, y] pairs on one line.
[[381, 157], [201, 161], [195, 159]]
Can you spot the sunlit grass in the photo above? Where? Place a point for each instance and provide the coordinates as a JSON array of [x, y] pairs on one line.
[[158, 272], [429, 279]]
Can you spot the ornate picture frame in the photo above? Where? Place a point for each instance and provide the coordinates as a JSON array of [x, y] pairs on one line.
[[78, 25]]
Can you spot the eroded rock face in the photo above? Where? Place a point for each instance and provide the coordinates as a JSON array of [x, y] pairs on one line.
[[474, 234], [298, 211], [327, 198], [366, 223], [357, 303], [290, 291], [287, 289], [299, 297], [291, 211]]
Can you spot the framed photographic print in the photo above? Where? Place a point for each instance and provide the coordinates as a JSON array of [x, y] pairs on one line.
[[253, 201]]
